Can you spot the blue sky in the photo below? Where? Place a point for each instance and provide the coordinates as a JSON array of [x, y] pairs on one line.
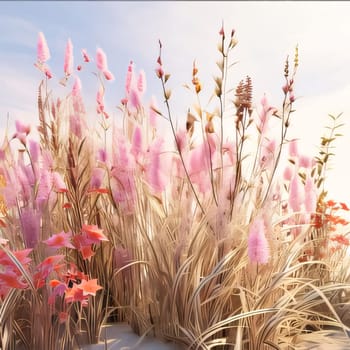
[[267, 32]]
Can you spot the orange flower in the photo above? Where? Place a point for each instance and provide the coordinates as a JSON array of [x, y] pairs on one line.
[[10, 279], [89, 287], [87, 252], [75, 294], [93, 233], [60, 240], [341, 239], [344, 206]]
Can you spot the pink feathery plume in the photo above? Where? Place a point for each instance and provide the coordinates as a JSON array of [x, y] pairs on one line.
[[296, 197], [101, 60], [35, 155], [34, 150], [310, 195], [76, 87], [141, 82], [68, 58], [293, 148], [155, 171], [288, 173], [75, 125], [97, 178], [137, 142], [135, 98], [44, 187], [258, 246], [42, 49], [30, 226]]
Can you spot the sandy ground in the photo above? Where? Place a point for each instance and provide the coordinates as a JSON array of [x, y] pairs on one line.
[[121, 337]]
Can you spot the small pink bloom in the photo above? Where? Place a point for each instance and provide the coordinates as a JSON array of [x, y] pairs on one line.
[[108, 75], [60, 240], [159, 71], [47, 72], [42, 49], [22, 128], [85, 55], [79, 68], [258, 246], [44, 187], [101, 60], [68, 58]]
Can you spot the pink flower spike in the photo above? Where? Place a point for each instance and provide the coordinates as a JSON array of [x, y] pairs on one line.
[[135, 98], [108, 75], [42, 49], [85, 55], [60, 240], [137, 142], [68, 58], [258, 246], [34, 149], [101, 60], [76, 87]]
